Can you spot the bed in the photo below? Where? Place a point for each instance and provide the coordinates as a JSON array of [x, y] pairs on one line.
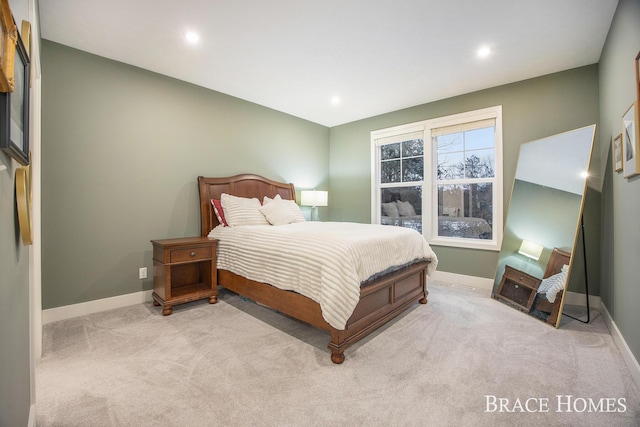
[[380, 299], [556, 271], [406, 213], [448, 226]]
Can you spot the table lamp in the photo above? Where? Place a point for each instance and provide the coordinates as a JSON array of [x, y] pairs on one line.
[[530, 250], [314, 199]]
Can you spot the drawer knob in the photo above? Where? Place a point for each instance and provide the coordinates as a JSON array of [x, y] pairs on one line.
[[516, 286], [192, 254]]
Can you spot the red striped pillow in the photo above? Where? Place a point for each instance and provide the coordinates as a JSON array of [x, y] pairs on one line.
[[217, 208]]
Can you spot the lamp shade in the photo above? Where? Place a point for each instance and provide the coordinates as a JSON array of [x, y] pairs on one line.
[[530, 249], [314, 198]]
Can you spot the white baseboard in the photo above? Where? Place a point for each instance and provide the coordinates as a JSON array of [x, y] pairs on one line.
[[625, 351], [575, 298], [572, 298], [461, 279], [74, 310], [96, 306], [32, 416]]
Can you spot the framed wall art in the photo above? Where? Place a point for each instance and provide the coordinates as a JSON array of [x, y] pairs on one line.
[[630, 141], [25, 35], [8, 40], [14, 110], [24, 203], [638, 77], [617, 153]]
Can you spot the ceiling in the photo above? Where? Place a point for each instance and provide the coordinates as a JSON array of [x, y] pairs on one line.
[[295, 56]]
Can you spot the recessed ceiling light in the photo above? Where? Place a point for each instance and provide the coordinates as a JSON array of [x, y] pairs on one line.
[[192, 37], [484, 51], [335, 100]]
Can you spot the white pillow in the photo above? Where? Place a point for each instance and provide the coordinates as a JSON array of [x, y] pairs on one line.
[[277, 213], [266, 200], [298, 216], [239, 211], [552, 285], [390, 209], [405, 208]]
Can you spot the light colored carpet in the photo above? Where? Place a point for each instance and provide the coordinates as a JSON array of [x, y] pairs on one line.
[[237, 363]]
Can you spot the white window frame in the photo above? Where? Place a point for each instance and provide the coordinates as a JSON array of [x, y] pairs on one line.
[[429, 187]]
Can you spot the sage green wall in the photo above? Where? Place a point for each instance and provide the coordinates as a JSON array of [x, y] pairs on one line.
[[122, 148], [14, 307], [15, 361], [531, 109], [620, 279]]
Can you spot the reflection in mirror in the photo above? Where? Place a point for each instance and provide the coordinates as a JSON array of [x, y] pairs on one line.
[[543, 222]]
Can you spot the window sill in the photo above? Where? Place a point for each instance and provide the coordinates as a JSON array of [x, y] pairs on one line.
[[486, 245]]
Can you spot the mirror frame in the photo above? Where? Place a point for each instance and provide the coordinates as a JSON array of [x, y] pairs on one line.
[[579, 227]]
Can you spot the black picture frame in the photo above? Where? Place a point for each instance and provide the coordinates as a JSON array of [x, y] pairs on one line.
[[14, 110]]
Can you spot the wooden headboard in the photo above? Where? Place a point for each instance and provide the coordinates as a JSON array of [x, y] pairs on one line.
[[557, 259], [244, 185]]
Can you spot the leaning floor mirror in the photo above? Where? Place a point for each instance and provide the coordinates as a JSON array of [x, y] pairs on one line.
[[543, 222]]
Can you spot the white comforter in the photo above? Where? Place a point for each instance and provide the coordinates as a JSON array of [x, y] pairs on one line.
[[325, 261]]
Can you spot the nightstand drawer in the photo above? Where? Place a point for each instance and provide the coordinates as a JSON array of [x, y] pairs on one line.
[[516, 293], [517, 288], [522, 279], [191, 254]]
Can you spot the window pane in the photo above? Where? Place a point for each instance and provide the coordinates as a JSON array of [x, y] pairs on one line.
[[402, 207], [450, 142], [479, 138], [413, 169], [415, 147], [479, 164], [390, 151], [450, 166], [465, 211], [390, 171]]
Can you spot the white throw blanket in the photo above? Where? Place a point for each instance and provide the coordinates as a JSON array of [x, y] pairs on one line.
[[324, 261]]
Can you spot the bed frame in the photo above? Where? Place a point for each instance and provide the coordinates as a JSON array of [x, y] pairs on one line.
[[557, 259], [380, 300]]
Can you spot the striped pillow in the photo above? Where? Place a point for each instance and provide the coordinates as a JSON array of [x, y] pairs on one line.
[[294, 209], [552, 285], [217, 208], [239, 211]]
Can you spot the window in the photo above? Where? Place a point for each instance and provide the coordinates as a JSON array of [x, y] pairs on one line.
[[442, 177], [401, 179]]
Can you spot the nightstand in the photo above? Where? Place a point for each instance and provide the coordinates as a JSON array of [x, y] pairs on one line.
[[518, 288], [184, 270]]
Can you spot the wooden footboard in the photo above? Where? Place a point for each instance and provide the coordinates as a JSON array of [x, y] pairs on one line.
[[542, 304], [380, 301]]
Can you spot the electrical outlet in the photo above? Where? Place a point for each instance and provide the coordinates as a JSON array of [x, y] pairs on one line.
[[142, 273]]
